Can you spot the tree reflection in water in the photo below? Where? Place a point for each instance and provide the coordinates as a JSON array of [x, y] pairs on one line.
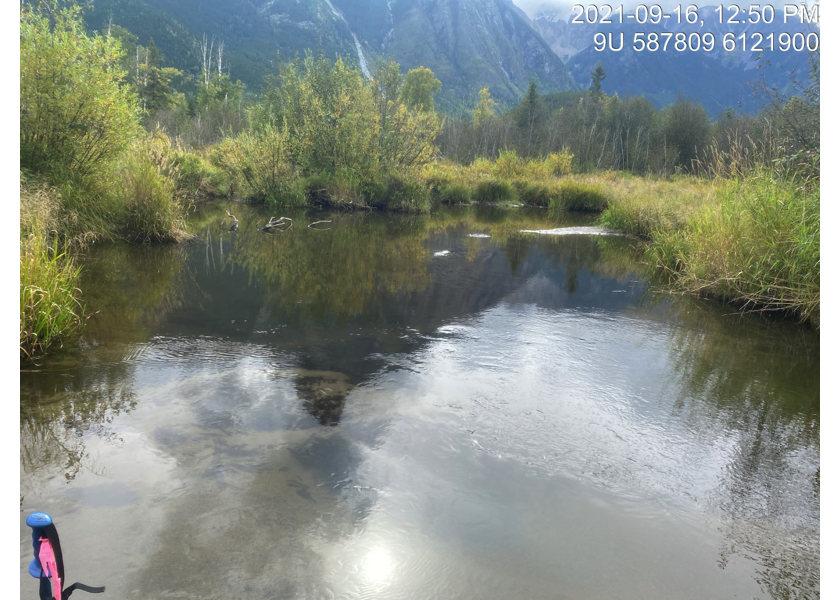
[[752, 379], [128, 291], [310, 316]]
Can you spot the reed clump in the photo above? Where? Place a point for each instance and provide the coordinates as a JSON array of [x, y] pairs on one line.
[[455, 192], [757, 244], [580, 195], [510, 179], [50, 309], [147, 194], [494, 191], [535, 193], [401, 194]]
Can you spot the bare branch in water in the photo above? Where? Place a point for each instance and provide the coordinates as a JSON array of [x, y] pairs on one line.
[[275, 224], [233, 226], [317, 228]]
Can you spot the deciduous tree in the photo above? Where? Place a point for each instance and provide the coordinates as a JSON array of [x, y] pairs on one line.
[[419, 89]]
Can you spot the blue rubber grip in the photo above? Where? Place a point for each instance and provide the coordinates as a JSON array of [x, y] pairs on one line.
[[37, 521]]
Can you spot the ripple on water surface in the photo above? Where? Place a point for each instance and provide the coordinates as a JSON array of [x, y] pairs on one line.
[[493, 423]]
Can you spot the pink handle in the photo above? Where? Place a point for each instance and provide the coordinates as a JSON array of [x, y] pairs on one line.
[[47, 558]]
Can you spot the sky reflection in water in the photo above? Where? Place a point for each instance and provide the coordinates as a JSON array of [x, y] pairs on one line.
[[346, 414]]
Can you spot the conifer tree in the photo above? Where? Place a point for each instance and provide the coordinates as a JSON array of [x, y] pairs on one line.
[[599, 73]]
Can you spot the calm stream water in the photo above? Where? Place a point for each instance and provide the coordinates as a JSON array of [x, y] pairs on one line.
[[420, 407]]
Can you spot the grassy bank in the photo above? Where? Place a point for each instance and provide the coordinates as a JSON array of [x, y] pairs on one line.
[[755, 243], [751, 240], [143, 197], [511, 179]]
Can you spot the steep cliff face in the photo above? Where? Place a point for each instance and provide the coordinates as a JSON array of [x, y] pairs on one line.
[[469, 44]]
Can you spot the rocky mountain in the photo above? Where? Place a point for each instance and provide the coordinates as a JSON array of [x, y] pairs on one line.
[[565, 39], [469, 44], [717, 79]]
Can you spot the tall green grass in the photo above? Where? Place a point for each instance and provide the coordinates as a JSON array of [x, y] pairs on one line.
[[50, 310], [454, 192], [494, 191], [579, 195], [511, 178], [535, 193], [757, 244], [401, 194], [151, 212], [641, 206]]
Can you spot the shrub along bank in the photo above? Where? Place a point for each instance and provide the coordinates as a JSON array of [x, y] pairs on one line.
[[323, 134]]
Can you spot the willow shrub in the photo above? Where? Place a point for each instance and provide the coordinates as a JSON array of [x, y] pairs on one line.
[[347, 137], [75, 117], [261, 167], [50, 310], [197, 177], [559, 163], [508, 165]]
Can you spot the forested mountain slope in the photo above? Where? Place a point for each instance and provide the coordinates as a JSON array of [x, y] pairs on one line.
[[469, 44]]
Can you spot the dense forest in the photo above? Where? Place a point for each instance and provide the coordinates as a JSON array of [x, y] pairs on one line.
[[117, 143]]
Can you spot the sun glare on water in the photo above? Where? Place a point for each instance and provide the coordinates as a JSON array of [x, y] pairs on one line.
[[378, 566]]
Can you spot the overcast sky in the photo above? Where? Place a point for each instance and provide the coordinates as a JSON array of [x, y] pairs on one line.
[[534, 6]]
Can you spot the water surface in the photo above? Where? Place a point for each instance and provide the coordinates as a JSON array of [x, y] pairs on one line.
[[462, 405]]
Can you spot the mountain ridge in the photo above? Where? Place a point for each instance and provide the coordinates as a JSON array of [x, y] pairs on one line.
[[468, 44], [718, 80]]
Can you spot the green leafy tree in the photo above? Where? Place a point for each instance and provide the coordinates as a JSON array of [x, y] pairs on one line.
[[218, 109], [484, 109], [389, 80], [419, 89], [75, 117], [796, 116], [405, 136]]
